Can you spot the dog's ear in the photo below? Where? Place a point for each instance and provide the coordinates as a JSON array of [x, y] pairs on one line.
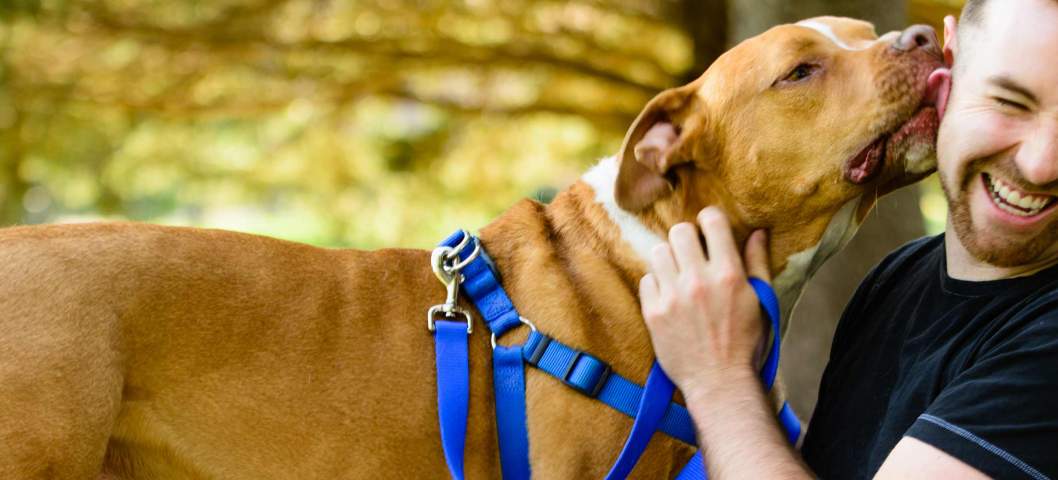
[[650, 149]]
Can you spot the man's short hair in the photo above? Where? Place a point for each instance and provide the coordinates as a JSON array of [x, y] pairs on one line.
[[971, 12]]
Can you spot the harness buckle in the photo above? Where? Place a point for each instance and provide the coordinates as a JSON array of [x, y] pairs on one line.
[[586, 374]]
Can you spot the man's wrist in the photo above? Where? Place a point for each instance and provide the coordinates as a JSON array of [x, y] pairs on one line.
[[712, 383]]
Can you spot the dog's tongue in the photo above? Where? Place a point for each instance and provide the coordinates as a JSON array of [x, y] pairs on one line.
[[863, 167]]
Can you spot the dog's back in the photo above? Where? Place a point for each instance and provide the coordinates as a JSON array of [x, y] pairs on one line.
[[160, 345]]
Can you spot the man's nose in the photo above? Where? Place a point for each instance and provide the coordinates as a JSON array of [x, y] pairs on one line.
[[918, 36], [1037, 159]]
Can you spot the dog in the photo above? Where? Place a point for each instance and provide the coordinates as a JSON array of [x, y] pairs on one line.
[[141, 351]]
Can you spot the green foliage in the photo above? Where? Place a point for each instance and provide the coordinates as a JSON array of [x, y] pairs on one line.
[[363, 123]]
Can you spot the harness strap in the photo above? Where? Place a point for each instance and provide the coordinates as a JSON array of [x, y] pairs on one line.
[[593, 377], [508, 377], [656, 399], [790, 423], [481, 283], [577, 369], [770, 303], [695, 469], [453, 390]]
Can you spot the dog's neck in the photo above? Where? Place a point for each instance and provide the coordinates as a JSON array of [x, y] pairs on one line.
[[573, 267], [789, 276]]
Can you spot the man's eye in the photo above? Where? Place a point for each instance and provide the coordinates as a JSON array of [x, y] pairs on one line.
[[1011, 104], [800, 72]]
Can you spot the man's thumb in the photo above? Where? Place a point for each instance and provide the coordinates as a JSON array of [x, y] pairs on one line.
[[756, 256]]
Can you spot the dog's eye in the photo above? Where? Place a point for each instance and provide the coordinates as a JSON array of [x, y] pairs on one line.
[[800, 72]]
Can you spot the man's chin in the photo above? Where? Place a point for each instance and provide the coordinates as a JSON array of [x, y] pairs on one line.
[[1003, 251], [1001, 254], [996, 243]]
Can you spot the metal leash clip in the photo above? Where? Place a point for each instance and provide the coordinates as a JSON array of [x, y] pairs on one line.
[[446, 265]]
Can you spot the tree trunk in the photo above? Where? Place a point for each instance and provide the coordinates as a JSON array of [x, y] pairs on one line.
[[896, 220], [705, 21]]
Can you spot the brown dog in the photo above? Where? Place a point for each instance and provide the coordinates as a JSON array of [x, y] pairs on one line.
[[143, 351]]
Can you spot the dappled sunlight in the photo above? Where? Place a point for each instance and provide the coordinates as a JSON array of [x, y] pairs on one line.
[[340, 123]]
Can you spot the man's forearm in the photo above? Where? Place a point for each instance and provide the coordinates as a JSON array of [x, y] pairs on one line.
[[737, 430]]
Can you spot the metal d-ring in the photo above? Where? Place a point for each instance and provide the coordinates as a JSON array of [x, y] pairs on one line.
[[463, 242], [470, 258], [525, 321]]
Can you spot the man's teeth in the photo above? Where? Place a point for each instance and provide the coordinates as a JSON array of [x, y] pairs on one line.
[[1007, 198]]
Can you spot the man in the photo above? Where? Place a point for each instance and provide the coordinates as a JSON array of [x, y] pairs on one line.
[[945, 362]]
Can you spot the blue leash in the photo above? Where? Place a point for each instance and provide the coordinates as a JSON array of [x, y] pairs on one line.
[[651, 407], [659, 391], [656, 398]]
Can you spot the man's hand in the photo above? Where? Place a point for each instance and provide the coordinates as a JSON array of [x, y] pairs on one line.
[[703, 316], [705, 322]]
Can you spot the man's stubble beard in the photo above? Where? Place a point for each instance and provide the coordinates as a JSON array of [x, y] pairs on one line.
[[999, 251]]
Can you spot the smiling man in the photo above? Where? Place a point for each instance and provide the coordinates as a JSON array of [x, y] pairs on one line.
[[945, 362]]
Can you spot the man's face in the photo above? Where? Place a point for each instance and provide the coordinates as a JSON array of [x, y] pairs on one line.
[[998, 144]]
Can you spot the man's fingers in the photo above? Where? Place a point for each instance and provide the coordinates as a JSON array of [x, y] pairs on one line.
[[648, 290], [757, 264], [718, 237], [686, 248], [663, 266]]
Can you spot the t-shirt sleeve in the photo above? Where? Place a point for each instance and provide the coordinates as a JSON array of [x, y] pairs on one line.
[[1000, 415]]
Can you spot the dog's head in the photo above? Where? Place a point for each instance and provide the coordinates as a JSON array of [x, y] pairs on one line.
[[793, 130]]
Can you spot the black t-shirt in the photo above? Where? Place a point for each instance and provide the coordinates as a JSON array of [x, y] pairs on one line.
[[968, 367]]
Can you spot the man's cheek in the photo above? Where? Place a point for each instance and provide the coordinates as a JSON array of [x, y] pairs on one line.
[[990, 132], [975, 136]]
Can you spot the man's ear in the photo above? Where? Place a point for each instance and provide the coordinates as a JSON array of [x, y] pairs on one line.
[[951, 40], [652, 147]]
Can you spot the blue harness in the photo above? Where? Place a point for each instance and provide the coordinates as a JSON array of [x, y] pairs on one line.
[[651, 406]]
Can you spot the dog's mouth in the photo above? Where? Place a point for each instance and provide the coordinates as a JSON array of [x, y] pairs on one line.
[[866, 165], [919, 130]]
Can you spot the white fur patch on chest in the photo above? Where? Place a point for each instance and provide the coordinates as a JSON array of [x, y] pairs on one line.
[[802, 265], [602, 178], [830, 34]]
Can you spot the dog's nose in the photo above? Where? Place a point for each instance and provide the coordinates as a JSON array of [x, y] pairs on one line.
[[918, 36]]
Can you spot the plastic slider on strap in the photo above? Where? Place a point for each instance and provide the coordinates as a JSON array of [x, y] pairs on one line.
[[582, 371], [586, 374]]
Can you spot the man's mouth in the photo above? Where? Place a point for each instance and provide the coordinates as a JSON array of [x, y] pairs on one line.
[[1014, 201]]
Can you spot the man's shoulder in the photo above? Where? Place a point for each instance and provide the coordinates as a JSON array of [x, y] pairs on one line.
[[914, 250], [907, 259]]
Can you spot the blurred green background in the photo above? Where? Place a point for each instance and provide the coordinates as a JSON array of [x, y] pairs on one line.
[[334, 122], [372, 123]]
